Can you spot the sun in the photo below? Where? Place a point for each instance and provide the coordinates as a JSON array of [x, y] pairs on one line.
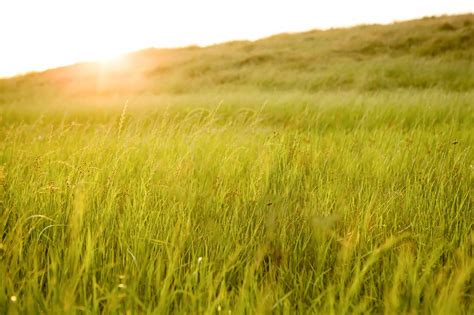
[[112, 61]]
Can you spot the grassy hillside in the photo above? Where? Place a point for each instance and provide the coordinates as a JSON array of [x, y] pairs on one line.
[[324, 172], [427, 53]]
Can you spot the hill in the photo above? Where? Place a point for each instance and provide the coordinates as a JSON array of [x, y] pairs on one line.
[[428, 53]]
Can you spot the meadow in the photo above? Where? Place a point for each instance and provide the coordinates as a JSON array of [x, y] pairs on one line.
[[326, 172]]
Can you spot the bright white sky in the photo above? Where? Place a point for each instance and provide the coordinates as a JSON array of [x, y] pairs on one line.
[[39, 34]]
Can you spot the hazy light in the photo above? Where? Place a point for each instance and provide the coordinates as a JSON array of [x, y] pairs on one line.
[[36, 34]]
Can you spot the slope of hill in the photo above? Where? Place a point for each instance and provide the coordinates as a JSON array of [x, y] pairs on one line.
[[421, 54]]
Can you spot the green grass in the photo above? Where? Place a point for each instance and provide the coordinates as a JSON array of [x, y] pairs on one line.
[[290, 189]]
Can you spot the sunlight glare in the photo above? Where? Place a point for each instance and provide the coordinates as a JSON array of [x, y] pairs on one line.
[[36, 35]]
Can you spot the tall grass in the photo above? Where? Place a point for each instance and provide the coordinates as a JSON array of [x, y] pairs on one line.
[[324, 172], [342, 203]]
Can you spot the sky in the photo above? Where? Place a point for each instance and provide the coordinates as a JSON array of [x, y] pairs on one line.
[[41, 34]]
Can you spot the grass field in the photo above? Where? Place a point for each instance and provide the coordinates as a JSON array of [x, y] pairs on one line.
[[323, 172]]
